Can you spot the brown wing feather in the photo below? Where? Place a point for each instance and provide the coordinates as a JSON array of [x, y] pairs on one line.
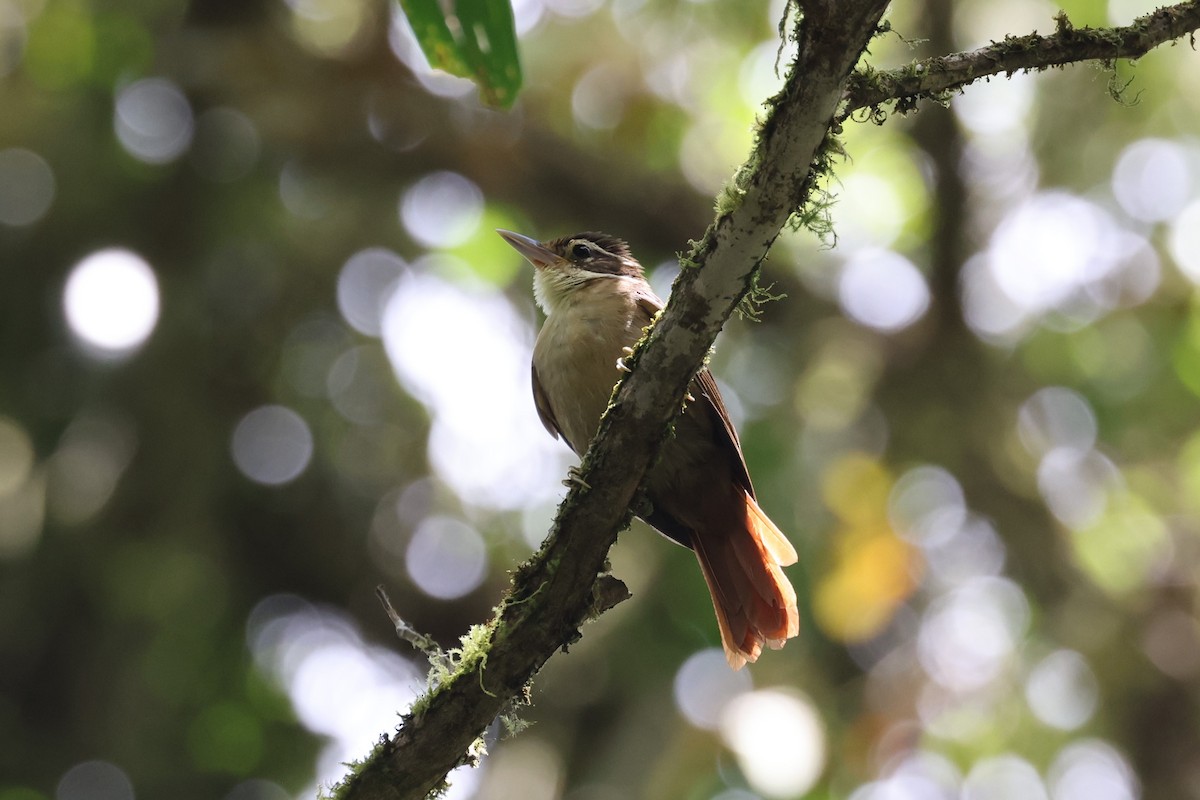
[[704, 388], [710, 396], [545, 412]]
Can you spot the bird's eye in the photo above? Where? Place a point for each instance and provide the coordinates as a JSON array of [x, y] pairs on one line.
[[580, 251]]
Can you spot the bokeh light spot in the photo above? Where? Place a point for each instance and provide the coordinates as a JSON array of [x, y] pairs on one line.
[[1052, 248], [61, 49], [778, 739], [443, 209], [340, 686], [926, 505], [996, 108], [968, 635], [855, 488], [1092, 770], [226, 145], [882, 290], [1172, 642], [1076, 484], [328, 27], [94, 780], [1062, 690], [83, 472], [1184, 241], [1056, 417], [873, 575], [26, 187], [1004, 777], [486, 441], [364, 285], [111, 301], [524, 768], [870, 212], [446, 558], [598, 100], [272, 445], [13, 36], [1124, 545], [1151, 180], [704, 686], [16, 456], [153, 120]]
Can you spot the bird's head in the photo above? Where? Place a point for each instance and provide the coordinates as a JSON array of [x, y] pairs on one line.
[[567, 264]]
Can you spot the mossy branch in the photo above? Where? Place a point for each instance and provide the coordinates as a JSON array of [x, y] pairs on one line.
[[935, 78], [555, 592]]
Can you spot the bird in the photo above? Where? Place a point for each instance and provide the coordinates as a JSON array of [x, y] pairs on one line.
[[597, 302]]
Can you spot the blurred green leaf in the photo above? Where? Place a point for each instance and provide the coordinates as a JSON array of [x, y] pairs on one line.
[[476, 40]]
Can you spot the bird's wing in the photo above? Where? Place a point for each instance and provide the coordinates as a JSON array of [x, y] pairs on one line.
[[723, 430], [545, 412], [704, 389]]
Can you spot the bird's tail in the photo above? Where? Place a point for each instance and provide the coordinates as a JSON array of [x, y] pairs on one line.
[[754, 601]]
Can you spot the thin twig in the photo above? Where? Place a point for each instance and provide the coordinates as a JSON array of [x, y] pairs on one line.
[[406, 632], [934, 77]]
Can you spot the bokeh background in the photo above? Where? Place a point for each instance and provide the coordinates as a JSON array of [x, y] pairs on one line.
[[260, 351]]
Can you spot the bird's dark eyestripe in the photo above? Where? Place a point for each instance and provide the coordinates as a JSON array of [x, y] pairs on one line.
[[597, 252]]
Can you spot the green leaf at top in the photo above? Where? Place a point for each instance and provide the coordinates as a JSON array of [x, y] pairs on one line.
[[474, 39]]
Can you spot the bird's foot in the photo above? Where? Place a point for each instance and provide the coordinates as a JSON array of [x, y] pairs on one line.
[[628, 351], [575, 478]]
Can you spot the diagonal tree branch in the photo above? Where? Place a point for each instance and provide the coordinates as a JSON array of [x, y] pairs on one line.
[[552, 595], [565, 583], [933, 77]]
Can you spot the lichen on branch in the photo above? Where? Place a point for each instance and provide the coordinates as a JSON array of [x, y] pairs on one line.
[[938, 78]]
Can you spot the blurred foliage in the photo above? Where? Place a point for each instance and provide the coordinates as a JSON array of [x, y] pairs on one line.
[[975, 416], [485, 48]]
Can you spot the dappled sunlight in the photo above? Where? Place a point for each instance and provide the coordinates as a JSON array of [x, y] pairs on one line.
[[263, 352], [442, 209], [882, 290], [1059, 260], [1092, 770], [1152, 180], [779, 740], [340, 686], [466, 354], [705, 686]]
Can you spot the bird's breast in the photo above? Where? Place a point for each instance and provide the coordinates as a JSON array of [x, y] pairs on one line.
[[576, 359]]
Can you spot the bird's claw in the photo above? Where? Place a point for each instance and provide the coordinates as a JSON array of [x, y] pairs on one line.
[[575, 478], [621, 365]]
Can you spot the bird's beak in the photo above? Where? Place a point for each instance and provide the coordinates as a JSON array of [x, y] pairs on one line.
[[533, 250]]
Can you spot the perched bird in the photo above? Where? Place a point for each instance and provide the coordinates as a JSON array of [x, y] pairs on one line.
[[597, 302]]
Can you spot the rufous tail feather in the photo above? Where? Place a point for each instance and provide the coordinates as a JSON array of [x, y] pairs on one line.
[[754, 602]]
